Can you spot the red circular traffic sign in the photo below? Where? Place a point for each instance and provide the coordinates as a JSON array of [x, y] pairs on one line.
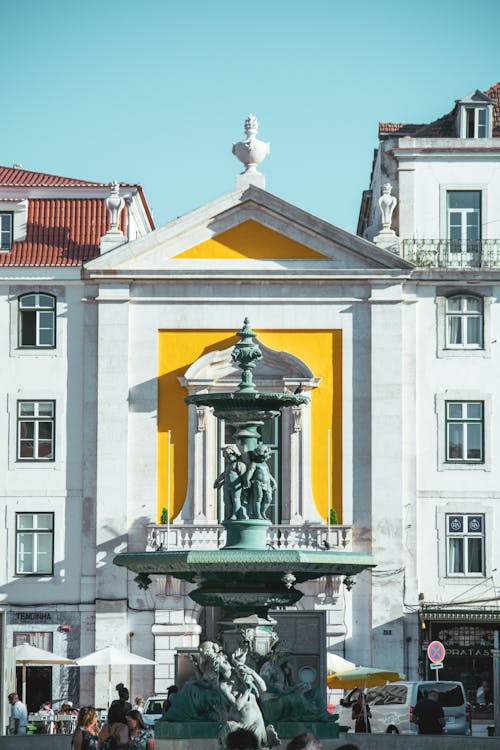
[[436, 651]]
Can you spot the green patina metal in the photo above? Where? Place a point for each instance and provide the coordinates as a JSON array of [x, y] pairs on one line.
[[245, 579]]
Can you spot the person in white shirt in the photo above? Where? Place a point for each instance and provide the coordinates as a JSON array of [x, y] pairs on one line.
[[18, 715]]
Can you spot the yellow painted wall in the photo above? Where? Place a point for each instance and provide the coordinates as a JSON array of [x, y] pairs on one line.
[[320, 350], [250, 240]]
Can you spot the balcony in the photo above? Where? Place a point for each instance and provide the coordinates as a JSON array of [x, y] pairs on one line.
[[452, 253], [284, 536]]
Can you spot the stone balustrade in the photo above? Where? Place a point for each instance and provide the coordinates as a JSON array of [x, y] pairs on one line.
[[437, 253], [282, 536]]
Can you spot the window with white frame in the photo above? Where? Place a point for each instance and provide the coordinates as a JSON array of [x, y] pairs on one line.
[[476, 122], [5, 230], [465, 544], [35, 430], [37, 320], [464, 322], [34, 543], [464, 220], [464, 431]]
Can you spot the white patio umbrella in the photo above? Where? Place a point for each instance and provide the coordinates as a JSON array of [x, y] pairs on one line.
[[110, 656], [336, 663], [28, 655]]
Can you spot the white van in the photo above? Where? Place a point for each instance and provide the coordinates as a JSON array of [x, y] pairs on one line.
[[392, 706]]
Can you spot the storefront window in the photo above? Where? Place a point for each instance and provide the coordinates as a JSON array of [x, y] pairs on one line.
[[468, 659]]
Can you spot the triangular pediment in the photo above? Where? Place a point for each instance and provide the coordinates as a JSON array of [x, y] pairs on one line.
[[251, 240], [477, 97], [250, 230]]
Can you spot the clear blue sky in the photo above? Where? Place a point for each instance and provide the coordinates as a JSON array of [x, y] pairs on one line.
[[156, 92]]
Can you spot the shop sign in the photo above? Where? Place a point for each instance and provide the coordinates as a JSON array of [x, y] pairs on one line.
[[30, 618], [468, 651]]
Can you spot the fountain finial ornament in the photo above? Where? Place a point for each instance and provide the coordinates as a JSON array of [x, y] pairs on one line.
[[251, 152], [246, 354]]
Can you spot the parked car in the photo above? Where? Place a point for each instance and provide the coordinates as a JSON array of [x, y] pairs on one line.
[[392, 706], [153, 709]]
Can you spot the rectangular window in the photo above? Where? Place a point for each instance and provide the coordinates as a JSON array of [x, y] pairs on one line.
[[465, 544], [464, 431], [37, 320], [34, 543], [35, 430], [5, 231], [464, 322], [475, 122], [464, 220]]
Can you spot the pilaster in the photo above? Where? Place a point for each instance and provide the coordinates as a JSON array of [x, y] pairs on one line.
[[112, 442]]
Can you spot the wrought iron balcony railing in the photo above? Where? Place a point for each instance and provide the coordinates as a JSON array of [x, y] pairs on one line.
[[211, 536], [452, 253]]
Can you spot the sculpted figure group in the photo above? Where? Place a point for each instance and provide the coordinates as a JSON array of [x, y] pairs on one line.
[[227, 691], [248, 486], [230, 692]]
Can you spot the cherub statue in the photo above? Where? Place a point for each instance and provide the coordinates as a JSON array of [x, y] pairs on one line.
[[259, 482], [231, 478]]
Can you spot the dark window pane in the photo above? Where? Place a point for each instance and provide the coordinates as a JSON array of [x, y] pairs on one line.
[[474, 330], [456, 555], [475, 524], [455, 411], [45, 430], [45, 449], [25, 521], [28, 328], [27, 430], [475, 555], [469, 129], [45, 300], [464, 199], [474, 441], [28, 300], [455, 445], [26, 449], [455, 524], [474, 410], [454, 304]]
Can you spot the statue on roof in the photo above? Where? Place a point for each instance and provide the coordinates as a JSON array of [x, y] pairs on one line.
[[387, 204]]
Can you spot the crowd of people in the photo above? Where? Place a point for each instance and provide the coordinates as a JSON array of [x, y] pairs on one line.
[[124, 726]]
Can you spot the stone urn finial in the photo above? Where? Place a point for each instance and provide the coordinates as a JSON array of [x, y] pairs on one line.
[[387, 238], [387, 204], [251, 152], [114, 204]]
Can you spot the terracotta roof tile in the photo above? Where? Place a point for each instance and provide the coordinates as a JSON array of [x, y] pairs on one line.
[[494, 93], [16, 176], [399, 128], [61, 232], [443, 127]]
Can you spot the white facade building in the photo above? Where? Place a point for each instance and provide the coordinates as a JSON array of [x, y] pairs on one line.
[[446, 178], [109, 323]]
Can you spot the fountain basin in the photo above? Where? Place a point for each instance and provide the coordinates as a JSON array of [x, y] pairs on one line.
[[245, 580]]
